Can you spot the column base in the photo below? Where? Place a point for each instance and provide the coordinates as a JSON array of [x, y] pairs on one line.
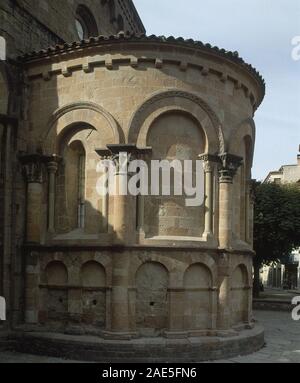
[[31, 317], [210, 239]]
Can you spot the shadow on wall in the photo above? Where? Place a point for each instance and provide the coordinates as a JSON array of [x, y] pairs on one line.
[[175, 136], [74, 287]]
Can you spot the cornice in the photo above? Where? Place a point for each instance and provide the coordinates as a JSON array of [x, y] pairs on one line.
[[128, 39]]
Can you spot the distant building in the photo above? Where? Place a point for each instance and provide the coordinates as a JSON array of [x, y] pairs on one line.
[[285, 276], [286, 174]]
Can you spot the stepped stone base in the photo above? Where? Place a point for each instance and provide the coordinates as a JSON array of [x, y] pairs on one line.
[[159, 350]]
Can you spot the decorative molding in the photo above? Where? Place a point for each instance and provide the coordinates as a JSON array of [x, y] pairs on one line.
[[138, 118], [83, 105], [53, 164], [122, 38]]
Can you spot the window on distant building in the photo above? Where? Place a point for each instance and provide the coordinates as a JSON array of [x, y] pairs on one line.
[[86, 25]]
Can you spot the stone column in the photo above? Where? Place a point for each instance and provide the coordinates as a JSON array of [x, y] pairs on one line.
[[120, 326], [230, 164], [6, 219], [143, 155], [251, 213], [33, 170], [32, 288], [141, 215], [229, 167], [121, 207], [52, 167], [208, 163], [224, 314], [124, 226]]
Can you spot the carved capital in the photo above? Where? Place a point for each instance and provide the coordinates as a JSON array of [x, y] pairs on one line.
[[122, 155], [229, 166], [209, 162], [53, 164], [32, 166]]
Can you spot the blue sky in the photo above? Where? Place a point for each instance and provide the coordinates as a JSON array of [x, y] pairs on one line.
[[261, 31]]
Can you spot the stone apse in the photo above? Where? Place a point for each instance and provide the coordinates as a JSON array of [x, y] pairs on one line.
[[125, 267]]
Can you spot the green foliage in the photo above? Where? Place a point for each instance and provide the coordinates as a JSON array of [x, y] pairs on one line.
[[276, 222]]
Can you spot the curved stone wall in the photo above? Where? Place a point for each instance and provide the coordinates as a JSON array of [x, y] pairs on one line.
[[163, 269]]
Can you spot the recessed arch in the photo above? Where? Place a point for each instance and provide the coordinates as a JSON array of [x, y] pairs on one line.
[[120, 22], [239, 295], [4, 90], [93, 279], [56, 274], [198, 297], [246, 128], [93, 274], [82, 113], [170, 100], [152, 312]]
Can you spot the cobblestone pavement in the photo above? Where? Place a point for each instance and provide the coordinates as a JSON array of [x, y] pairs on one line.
[[282, 344]]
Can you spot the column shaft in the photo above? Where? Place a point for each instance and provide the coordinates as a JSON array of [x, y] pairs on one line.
[[52, 169], [209, 202], [225, 219], [141, 213], [223, 320], [119, 297]]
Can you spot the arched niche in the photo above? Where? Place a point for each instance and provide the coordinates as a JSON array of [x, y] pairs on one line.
[[246, 128], [152, 312], [106, 129], [55, 297], [56, 274], [120, 22], [198, 300], [239, 295], [93, 277], [78, 205], [175, 99], [174, 135], [4, 93], [241, 187]]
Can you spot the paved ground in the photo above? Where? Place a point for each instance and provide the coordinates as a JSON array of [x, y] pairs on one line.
[[282, 338], [278, 294]]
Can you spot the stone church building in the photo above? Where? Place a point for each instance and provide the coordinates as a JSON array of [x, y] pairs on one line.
[[81, 81]]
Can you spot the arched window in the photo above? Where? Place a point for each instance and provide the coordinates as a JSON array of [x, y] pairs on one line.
[[112, 10], [74, 174], [120, 24], [86, 25], [81, 189]]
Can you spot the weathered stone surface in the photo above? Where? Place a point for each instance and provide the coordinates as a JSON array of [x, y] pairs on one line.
[[121, 267]]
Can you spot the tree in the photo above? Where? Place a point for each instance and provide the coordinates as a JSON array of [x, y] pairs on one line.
[[276, 225]]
